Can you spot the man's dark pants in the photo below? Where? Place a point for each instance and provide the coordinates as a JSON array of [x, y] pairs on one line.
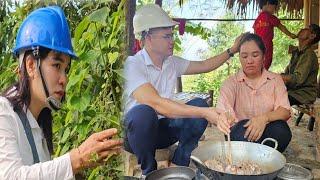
[[145, 133]]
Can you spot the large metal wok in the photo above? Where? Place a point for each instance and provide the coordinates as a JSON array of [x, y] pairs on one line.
[[269, 159]]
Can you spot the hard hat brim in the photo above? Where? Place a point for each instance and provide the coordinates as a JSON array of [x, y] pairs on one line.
[[72, 55], [168, 25]]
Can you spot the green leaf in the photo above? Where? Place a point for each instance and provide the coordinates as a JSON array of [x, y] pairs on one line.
[[80, 28], [88, 36], [69, 117], [93, 173], [83, 130], [72, 81], [91, 55], [65, 148], [100, 15], [119, 72], [57, 151], [80, 103], [113, 43], [66, 135], [113, 57]]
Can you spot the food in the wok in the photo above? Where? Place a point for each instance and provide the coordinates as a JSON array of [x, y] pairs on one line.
[[242, 168]]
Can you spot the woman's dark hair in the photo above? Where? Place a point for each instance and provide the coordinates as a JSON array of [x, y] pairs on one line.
[[253, 37], [19, 96]]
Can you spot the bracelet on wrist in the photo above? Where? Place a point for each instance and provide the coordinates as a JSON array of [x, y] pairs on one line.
[[230, 53]]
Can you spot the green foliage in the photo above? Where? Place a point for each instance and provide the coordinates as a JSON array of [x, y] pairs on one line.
[[143, 2], [281, 43], [221, 37], [94, 89], [192, 29]]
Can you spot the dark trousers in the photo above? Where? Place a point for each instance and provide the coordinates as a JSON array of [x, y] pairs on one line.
[[278, 130], [293, 101], [145, 133]]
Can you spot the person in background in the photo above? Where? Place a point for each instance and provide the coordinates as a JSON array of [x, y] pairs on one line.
[[264, 27], [300, 76], [152, 119], [256, 99], [44, 50]]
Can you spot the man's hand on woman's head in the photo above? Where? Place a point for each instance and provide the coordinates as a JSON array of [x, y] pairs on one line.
[[236, 45]]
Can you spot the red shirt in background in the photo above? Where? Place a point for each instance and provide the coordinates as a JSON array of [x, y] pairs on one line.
[[264, 27]]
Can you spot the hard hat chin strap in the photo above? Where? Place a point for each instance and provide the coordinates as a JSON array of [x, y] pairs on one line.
[[51, 101]]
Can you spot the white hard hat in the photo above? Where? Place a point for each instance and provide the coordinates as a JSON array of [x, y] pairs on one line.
[[151, 16]]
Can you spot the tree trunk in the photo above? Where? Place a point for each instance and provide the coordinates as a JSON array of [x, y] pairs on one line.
[[130, 10]]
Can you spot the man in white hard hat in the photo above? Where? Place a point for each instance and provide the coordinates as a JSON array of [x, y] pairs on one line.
[[152, 120]]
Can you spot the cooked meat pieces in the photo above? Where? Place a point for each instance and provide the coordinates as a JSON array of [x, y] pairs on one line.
[[243, 168], [214, 164]]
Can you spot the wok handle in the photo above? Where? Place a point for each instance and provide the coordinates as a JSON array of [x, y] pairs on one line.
[[211, 174], [271, 139], [197, 160]]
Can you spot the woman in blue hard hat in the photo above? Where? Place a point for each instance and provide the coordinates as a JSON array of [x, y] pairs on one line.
[[44, 50]]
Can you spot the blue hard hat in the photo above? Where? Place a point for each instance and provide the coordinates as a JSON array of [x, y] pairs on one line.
[[46, 27]]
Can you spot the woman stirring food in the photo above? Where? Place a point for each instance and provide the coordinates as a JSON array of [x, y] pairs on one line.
[[257, 102], [256, 98]]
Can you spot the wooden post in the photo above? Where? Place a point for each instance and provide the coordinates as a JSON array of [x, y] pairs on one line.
[[306, 9], [179, 85], [314, 12], [318, 24], [130, 11]]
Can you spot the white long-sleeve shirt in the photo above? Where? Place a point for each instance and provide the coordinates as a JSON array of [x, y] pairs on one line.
[[16, 160]]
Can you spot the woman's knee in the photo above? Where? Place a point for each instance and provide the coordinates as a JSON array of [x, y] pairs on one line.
[[199, 102], [281, 129]]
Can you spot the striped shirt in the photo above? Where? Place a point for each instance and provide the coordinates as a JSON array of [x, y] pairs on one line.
[[245, 100]]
